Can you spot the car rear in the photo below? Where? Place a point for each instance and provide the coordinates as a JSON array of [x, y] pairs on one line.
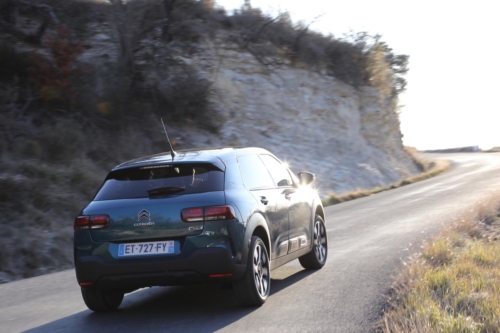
[[157, 224]]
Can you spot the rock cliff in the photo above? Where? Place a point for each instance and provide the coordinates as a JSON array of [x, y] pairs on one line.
[[350, 138]]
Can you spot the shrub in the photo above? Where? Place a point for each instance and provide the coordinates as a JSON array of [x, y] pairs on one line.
[[13, 74], [185, 95], [358, 59], [53, 77], [62, 141]]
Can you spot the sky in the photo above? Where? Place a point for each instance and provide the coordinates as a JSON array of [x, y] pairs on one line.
[[454, 78]]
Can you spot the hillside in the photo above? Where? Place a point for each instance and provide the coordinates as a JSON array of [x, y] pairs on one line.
[[83, 85]]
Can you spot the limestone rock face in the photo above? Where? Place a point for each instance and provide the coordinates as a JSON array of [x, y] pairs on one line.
[[349, 138]]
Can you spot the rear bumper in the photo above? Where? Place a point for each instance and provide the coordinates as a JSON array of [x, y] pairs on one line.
[[161, 272]]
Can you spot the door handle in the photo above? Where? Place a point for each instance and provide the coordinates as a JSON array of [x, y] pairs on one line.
[[288, 193], [264, 200]]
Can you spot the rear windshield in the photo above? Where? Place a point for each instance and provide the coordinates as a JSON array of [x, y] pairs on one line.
[[160, 181]]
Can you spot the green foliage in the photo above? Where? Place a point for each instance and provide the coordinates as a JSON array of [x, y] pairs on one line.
[[439, 253]]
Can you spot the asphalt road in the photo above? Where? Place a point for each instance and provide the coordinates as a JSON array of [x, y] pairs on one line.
[[369, 240]]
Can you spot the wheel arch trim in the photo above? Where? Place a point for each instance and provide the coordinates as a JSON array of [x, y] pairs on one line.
[[256, 225]]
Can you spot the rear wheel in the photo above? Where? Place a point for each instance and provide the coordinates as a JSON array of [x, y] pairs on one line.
[[316, 259], [254, 288], [100, 300]]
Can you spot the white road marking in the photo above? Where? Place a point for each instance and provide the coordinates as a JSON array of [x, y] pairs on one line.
[[422, 190], [448, 188], [468, 164]]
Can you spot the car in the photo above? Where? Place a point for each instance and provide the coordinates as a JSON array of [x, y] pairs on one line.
[[227, 215]]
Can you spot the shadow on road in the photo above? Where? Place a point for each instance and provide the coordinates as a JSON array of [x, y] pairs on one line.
[[203, 308]]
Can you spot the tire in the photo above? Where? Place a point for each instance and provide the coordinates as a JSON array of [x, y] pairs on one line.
[[99, 300], [254, 288], [316, 259]]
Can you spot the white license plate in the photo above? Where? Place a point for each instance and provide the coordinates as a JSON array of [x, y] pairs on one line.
[[149, 248]]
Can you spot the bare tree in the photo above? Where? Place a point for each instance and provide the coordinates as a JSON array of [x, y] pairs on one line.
[[9, 12]]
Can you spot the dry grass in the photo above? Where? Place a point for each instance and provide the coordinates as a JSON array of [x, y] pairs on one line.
[[453, 285], [429, 169]]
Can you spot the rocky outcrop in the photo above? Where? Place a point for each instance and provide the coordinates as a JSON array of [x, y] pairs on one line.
[[349, 137]]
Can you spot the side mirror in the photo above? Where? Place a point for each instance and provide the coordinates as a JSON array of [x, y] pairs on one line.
[[306, 178]]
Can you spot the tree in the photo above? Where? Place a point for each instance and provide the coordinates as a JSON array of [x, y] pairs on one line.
[[9, 11], [53, 77]]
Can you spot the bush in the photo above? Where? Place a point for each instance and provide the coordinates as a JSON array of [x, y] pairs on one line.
[[53, 77], [13, 74], [185, 95], [62, 141]]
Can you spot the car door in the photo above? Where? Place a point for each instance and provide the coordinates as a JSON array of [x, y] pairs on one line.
[[299, 205], [270, 202]]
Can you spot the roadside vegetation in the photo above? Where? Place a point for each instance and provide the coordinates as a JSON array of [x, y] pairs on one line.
[[453, 284], [65, 123], [428, 169]]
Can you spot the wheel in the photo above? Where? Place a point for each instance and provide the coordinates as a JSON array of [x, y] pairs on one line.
[[254, 288], [316, 259], [100, 300]]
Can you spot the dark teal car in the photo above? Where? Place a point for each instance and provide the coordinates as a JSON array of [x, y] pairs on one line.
[[209, 215]]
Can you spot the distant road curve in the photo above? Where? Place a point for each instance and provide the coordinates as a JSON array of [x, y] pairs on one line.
[[369, 238]]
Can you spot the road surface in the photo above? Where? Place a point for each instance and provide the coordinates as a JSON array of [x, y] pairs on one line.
[[369, 240]]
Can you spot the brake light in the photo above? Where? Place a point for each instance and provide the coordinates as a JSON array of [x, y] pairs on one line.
[[199, 214], [91, 222], [219, 213], [99, 221], [192, 214], [81, 222]]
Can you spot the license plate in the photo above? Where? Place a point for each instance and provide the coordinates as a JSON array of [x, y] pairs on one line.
[[149, 248]]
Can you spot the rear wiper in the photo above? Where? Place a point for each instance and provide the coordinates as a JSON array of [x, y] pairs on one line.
[[165, 190]]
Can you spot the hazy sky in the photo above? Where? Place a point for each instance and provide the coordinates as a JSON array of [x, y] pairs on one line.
[[452, 93]]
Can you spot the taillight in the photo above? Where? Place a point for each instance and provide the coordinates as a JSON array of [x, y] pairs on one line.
[[81, 222], [219, 213], [99, 221], [200, 214], [192, 214], [91, 222]]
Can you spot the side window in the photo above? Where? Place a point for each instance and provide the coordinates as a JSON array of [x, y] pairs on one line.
[[254, 173], [277, 170]]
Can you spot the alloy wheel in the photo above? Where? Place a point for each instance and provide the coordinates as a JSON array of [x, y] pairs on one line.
[[261, 270], [320, 241]]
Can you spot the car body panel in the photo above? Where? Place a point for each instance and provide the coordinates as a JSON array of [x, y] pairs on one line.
[[162, 220], [276, 213], [301, 218], [283, 221]]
